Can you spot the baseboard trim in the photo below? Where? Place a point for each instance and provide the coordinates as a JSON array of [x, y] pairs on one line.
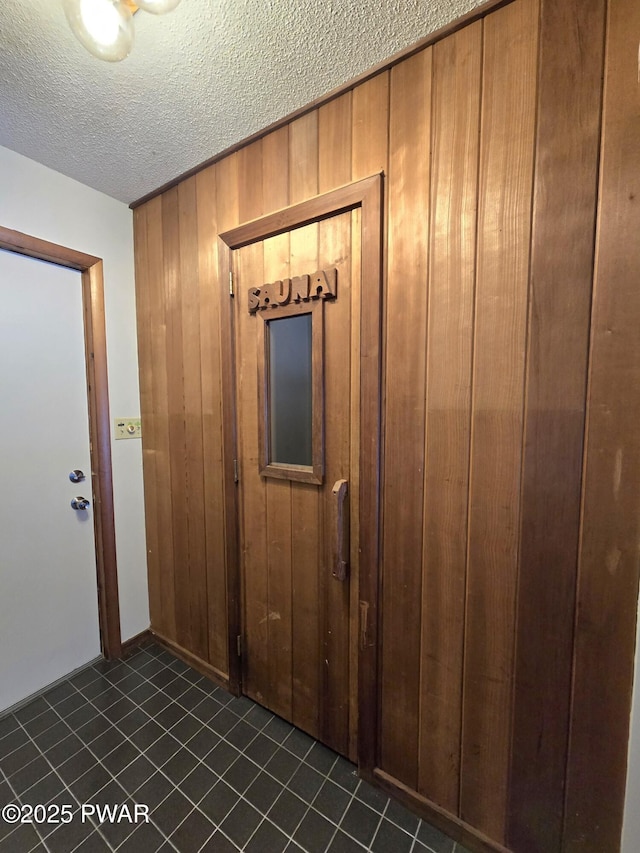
[[209, 671], [133, 643], [455, 828]]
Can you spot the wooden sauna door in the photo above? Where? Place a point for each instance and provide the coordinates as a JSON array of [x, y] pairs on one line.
[[298, 653]]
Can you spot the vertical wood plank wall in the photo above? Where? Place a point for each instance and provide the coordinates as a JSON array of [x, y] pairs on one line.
[[509, 561]]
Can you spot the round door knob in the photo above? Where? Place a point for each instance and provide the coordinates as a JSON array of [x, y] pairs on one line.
[[76, 476], [79, 503]]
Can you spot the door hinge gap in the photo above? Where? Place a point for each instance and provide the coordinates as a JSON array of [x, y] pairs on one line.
[[231, 283], [236, 477], [239, 645]]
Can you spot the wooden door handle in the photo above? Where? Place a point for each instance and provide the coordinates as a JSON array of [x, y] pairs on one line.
[[341, 565]]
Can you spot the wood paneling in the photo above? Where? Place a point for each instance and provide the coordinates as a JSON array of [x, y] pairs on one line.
[[370, 145], [193, 474], [307, 678], [249, 267], [334, 249], [493, 649], [280, 520], [156, 446], [564, 199], [212, 445], [610, 529], [502, 278], [454, 189], [408, 186]]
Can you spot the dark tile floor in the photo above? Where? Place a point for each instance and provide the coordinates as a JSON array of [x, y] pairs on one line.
[[217, 773]]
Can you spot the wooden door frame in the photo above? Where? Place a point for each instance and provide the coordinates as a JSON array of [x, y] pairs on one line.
[[98, 400], [366, 195]]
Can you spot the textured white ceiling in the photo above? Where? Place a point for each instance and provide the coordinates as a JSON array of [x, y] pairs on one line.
[[198, 80]]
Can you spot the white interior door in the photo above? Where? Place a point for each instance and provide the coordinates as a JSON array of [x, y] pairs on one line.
[[48, 589]]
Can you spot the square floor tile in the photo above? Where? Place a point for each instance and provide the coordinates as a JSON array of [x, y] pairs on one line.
[[145, 839], [208, 784], [263, 792], [287, 811], [13, 741], [267, 837], [283, 765], [23, 839], [218, 843], [332, 801], [154, 791], [241, 822], [391, 837], [360, 822], [179, 765], [171, 812], [193, 832], [305, 782], [219, 802], [433, 839], [315, 832], [198, 783], [136, 774]]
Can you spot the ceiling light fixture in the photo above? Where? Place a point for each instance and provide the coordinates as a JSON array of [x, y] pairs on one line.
[[105, 27]]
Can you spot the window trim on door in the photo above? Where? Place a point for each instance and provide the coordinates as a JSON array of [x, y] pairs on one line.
[[313, 473], [99, 428]]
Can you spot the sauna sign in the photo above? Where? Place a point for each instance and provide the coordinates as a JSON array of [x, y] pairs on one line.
[[302, 288]]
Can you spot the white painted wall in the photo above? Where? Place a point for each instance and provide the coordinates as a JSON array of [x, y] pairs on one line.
[[48, 205]]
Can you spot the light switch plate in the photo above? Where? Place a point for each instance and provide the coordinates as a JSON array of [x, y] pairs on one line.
[[128, 428]]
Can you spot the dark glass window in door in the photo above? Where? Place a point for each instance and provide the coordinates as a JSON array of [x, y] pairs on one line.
[[290, 404]]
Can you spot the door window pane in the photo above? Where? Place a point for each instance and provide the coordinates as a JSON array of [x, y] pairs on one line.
[[290, 390]]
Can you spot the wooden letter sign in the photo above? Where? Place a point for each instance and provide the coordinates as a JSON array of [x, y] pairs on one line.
[[302, 288]]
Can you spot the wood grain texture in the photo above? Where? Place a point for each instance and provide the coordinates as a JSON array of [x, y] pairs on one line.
[[303, 184], [212, 425], [158, 455], [610, 530], [175, 407], [43, 250], [353, 496], [101, 471], [456, 123], [306, 544], [334, 250], [409, 156], [463, 675], [248, 267], [334, 170], [564, 203], [303, 158], [504, 227], [280, 520], [369, 156], [370, 127], [334, 144], [196, 579], [275, 170], [227, 212]]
